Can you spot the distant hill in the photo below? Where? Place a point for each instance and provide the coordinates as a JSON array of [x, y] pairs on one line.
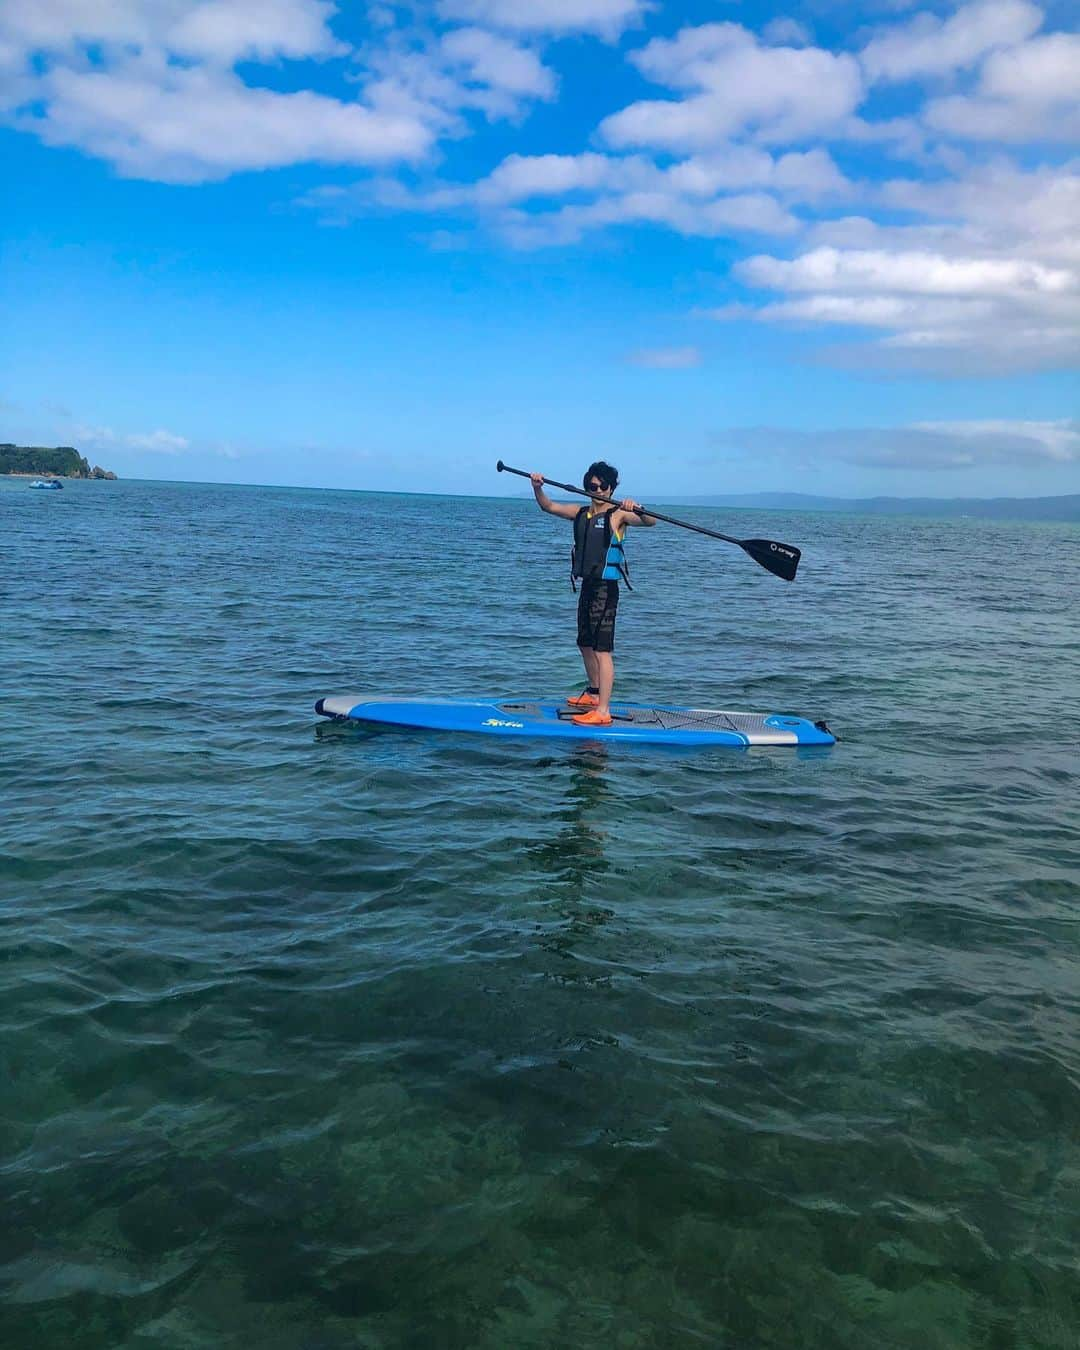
[[61, 461], [985, 508]]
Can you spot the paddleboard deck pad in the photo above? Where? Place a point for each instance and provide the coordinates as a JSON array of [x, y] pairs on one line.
[[534, 717]]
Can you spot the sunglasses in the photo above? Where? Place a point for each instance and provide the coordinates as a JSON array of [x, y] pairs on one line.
[[594, 486]]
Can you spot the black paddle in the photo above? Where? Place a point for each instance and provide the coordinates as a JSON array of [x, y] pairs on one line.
[[779, 559]]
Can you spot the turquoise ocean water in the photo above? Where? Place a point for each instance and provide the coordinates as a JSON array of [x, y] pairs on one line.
[[314, 1038]]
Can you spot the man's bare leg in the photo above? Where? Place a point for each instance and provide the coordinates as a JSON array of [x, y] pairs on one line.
[[604, 680], [588, 656]]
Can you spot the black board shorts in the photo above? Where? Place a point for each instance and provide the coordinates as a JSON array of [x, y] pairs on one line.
[[597, 603]]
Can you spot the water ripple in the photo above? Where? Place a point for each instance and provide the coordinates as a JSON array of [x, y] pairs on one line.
[[314, 1036]]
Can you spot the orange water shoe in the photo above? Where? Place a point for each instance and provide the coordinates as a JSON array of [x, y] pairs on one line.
[[583, 700], [592, 718]]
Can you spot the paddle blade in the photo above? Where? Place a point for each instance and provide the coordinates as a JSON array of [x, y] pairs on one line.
[[782, 560]]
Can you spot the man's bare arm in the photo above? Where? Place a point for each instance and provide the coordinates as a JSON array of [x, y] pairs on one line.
[[629, 512], [566, 509]]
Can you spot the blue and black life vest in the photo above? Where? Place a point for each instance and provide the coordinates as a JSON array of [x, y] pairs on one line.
[[599, 554]]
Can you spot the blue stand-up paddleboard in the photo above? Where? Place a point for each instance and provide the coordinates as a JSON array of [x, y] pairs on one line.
[[535, 717]]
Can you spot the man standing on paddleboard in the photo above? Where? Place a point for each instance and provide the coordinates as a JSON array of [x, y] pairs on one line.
[[599, 560]]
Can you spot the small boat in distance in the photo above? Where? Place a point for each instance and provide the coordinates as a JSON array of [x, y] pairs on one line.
[[52, 483]]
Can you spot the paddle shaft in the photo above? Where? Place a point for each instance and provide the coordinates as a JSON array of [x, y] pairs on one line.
[[782, 560], [642, 511]]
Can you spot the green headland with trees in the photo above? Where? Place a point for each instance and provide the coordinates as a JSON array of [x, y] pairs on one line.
[[57, 461]]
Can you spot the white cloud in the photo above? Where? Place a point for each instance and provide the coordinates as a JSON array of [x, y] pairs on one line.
[[597, 192], [150, 85], [803, 176], [94, 437], [735, 86], [860, 270], [985, 119], [498, 63], [1058, 442], [986, 279], [517, 179], [995, 208], [745, 213], [749, 212], [227, 31], [934, 446], [1030, 92], [433, 80], [57, 25], [979, 259], [787, 32], [468, 68], [754, 213], [905, 137], [606, 17], [158, 442], [98, 438], [666, 358], [1045, 70], [523, 177], [167, 124], [806, 176], [978, 301], [870, 311], [929, 46], [221, 31]]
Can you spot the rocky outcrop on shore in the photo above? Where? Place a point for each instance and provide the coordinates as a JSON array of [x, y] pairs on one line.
[[59, 461]]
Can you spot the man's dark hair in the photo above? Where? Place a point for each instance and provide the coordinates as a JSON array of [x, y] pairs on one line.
[[604, 473]]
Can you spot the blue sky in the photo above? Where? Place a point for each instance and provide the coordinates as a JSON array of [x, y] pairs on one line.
[[731, 247]]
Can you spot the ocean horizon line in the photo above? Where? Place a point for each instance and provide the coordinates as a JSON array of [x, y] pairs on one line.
[[766, 500]]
